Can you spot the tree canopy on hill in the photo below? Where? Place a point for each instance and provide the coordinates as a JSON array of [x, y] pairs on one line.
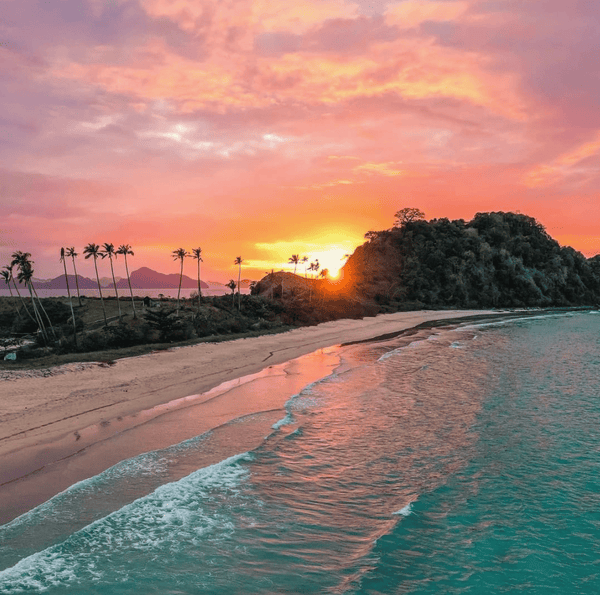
[[495, 260]]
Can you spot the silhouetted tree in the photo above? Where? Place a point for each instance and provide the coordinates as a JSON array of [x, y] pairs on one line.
[[179, 254], [125, 250], [93, 251], [109, 250], [294, 259], [70, 252], [197, 254], [304, 261], [239, 261], [232, 285], [408, 215], [64, 261], [25, 275]]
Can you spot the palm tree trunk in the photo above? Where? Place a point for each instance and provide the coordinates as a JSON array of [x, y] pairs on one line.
[[199, 287], [44, 310], [76, 281], [115, 284], [70, 302], [38, 318], [179, 290], [240, 288], [130, 290], [100, 291], [12, 297], [23, 301]]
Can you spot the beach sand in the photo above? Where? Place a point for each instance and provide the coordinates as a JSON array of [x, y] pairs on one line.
[[51, 418]]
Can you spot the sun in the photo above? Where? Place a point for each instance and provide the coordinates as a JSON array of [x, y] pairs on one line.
[[332, 259]]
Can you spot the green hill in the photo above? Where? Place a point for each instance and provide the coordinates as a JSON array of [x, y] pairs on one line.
[[495, 260]]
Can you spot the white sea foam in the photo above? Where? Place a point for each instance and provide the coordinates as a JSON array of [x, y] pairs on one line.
[[284, 421], [405, 511], [176, 515]]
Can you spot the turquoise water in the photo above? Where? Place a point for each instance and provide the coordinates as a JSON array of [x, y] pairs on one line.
[[464, 462]]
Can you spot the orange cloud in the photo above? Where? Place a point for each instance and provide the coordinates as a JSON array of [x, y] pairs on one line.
[[563, 166], [248, 17], [385, 169], [230, 79], [412, 13]]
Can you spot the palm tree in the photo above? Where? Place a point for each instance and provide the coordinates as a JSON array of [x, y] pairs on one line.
[[324, 273], [63, 260], [197, 254], [25, 274], [179, 254], [93, 251], [294, 259], [22, 260], [125, 249], [109, 250], [238, 260], [70, 252], [305, 260], [232, 286], [7, 274], [314, 266]]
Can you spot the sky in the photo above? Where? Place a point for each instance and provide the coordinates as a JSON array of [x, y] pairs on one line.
[[266, 128]]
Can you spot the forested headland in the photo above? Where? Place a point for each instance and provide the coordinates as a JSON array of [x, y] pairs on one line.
[[496, 260]]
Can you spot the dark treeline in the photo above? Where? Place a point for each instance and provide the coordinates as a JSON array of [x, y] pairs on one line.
[[495, 260]]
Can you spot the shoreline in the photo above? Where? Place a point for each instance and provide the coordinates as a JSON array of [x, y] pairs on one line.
[[50, 420]]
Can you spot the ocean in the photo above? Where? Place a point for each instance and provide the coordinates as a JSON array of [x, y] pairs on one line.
[[457, 460]]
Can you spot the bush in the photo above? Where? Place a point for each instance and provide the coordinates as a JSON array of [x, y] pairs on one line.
[[168, 326]]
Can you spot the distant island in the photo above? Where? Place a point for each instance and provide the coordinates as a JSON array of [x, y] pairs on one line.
[[143, 278]]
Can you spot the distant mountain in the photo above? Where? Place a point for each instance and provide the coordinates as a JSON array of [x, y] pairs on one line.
[[108, 282], [60, 283], [146, 278]]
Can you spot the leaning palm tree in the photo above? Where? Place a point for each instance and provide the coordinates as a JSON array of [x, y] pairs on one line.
[[294, 259], [70, 252], [22, 260], [64, 261], [93, 251], [238, 260], [179, 254], [25, 275], [125, 249], [232, 286], [7, 275], [197, 254], [109, 250]]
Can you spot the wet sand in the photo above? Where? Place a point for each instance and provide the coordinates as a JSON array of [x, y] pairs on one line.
[[62, 425]]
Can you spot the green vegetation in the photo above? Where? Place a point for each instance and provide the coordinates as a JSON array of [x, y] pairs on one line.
[[495, 260]]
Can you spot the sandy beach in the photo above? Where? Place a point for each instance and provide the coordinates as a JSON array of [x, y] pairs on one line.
[[50, 415]]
